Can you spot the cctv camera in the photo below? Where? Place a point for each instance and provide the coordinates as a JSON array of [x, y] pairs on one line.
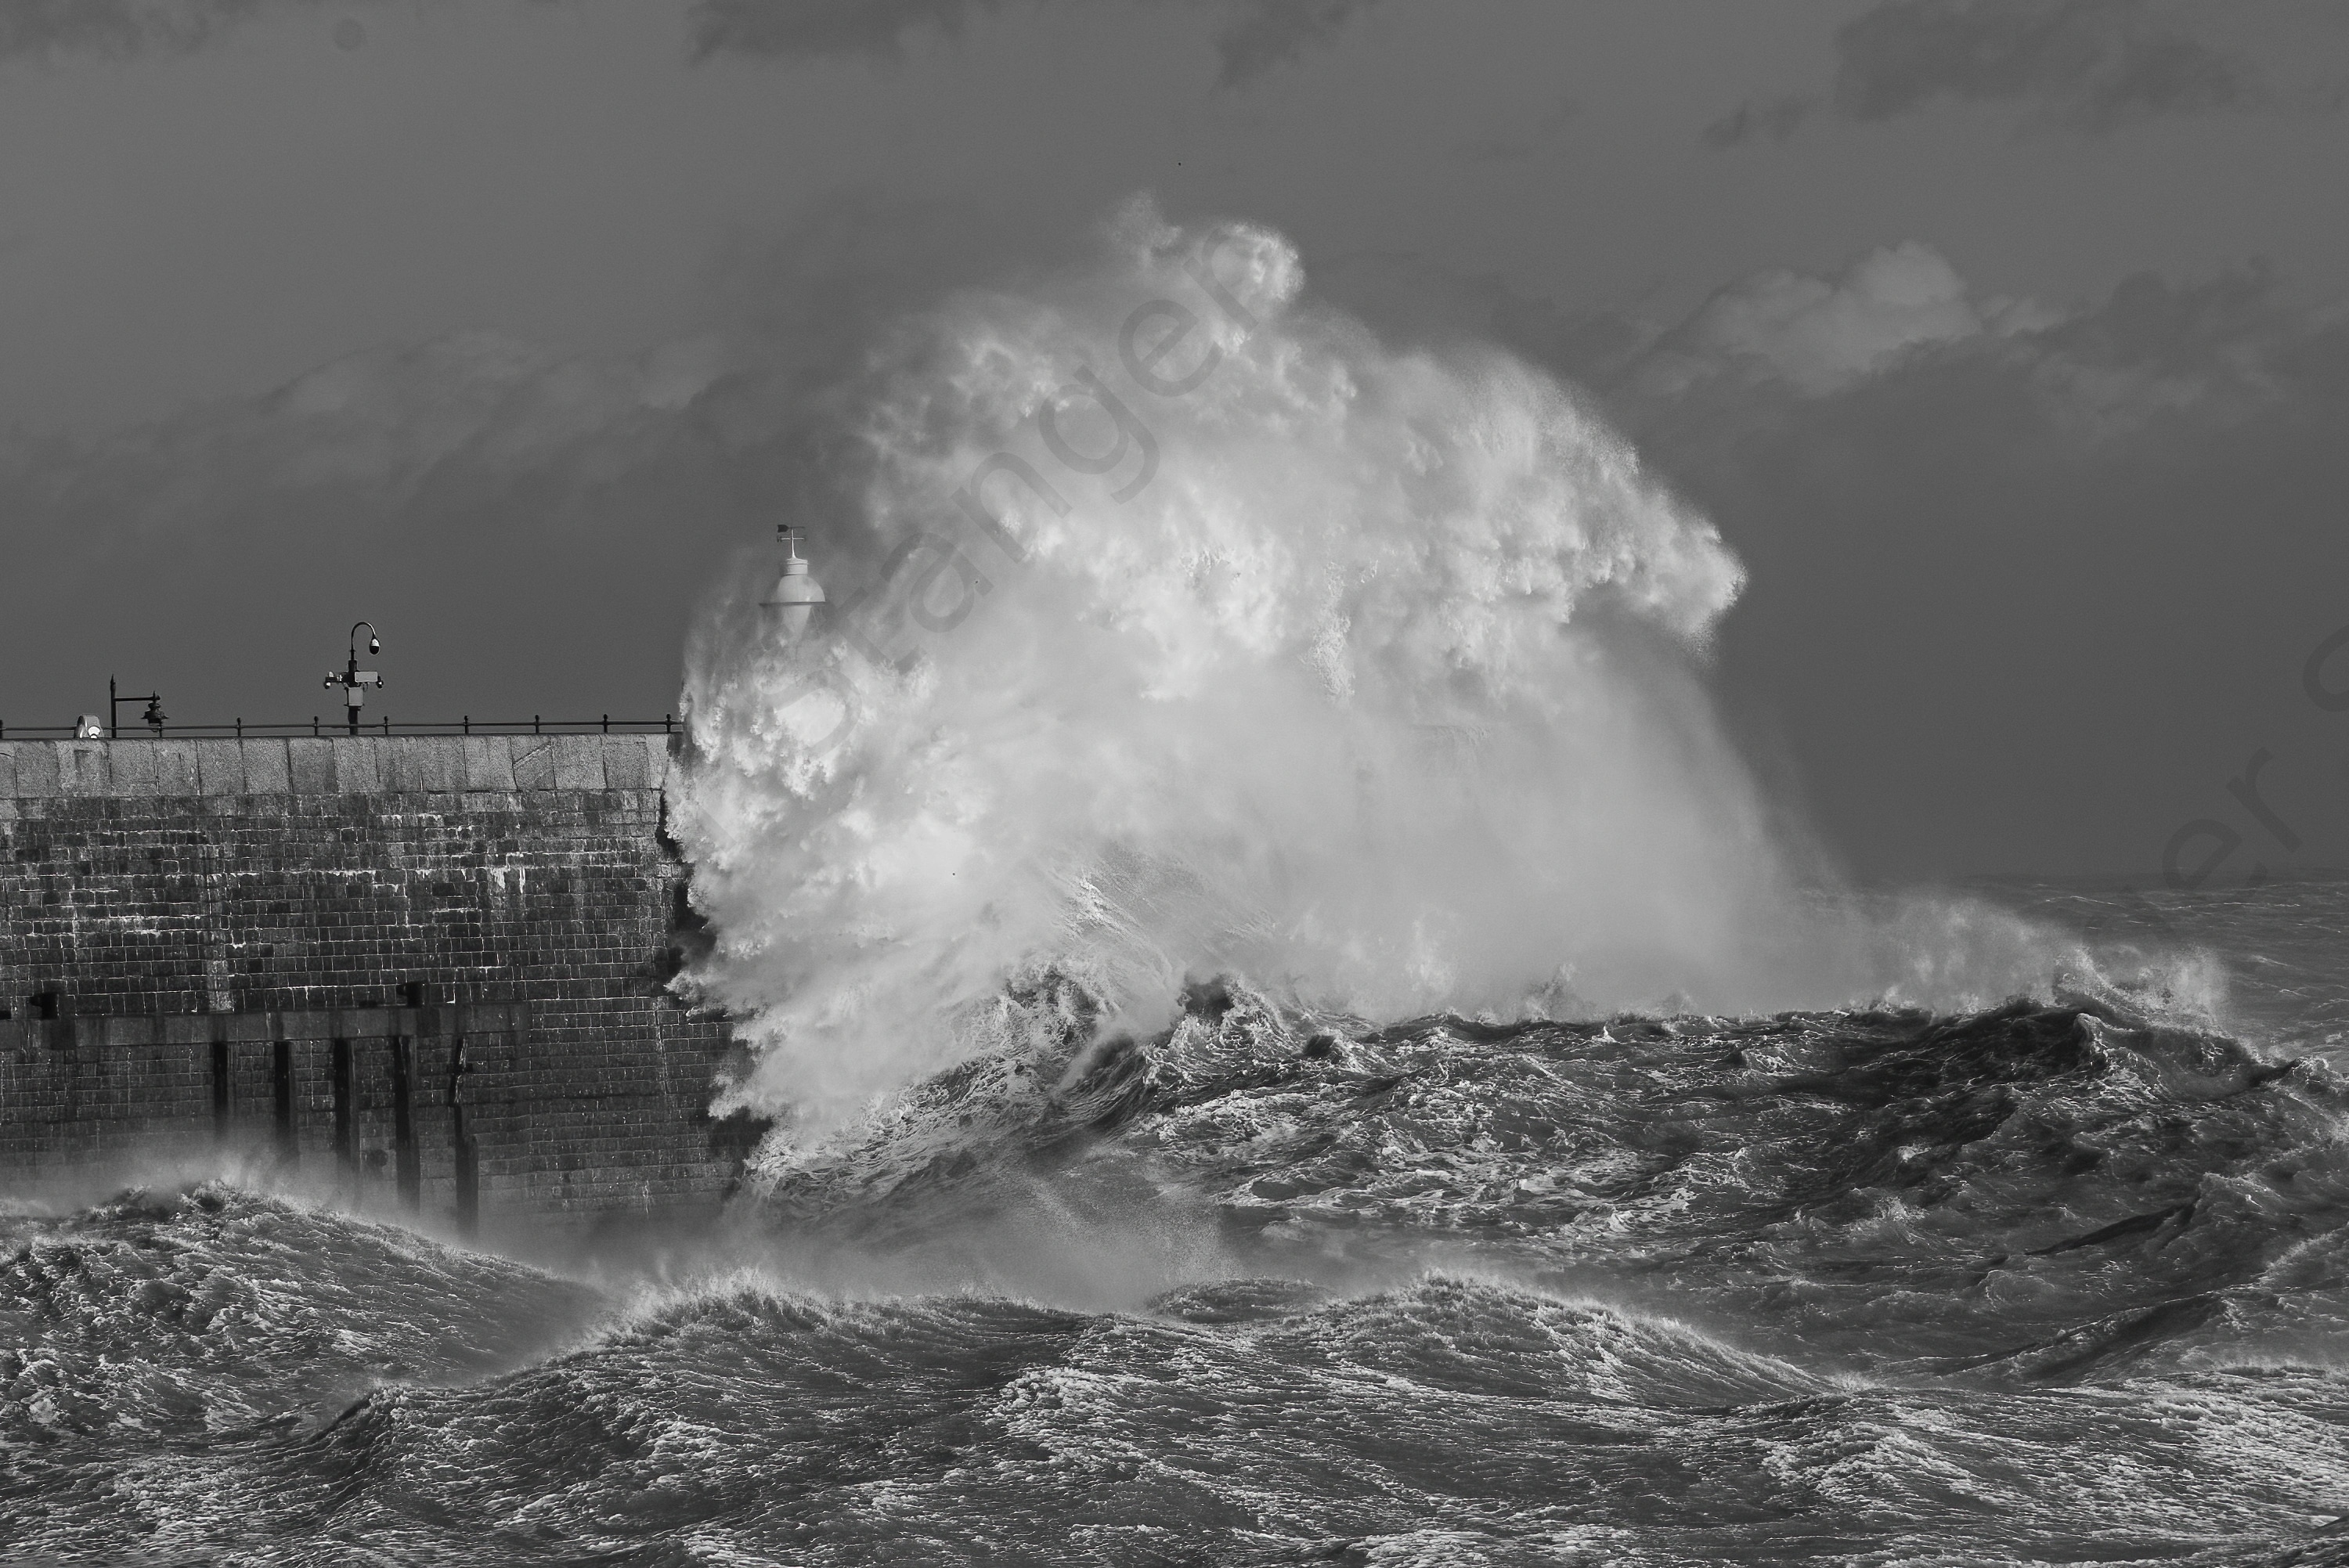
[[374, 646]]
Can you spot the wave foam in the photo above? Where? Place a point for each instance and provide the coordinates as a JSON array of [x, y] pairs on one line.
[[1180, 626]]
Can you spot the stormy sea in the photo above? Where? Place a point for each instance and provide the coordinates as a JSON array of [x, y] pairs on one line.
[[1284, 1031], [2062, 1280]]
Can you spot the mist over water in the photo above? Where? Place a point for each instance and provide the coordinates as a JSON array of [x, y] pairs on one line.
[[1370, 675]]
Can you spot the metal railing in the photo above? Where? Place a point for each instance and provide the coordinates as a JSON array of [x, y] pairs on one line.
[[326, 728]]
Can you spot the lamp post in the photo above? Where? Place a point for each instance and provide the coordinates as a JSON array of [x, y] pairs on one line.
[[152, 719], [355, 680]]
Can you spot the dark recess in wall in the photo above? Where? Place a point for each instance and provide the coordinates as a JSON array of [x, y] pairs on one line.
[[691, 938]]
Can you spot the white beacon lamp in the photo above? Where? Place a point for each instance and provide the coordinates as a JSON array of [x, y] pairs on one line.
[[796, 593]]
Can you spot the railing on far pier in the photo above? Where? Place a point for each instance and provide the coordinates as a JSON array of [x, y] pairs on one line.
[[326, 728]]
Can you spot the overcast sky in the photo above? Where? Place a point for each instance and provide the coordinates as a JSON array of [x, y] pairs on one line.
[[2007, 341]]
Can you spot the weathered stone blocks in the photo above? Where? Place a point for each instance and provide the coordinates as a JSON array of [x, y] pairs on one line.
[[310, 767], [173, 900], [488, 762], [533, 762], [266, 769], [220, 767]]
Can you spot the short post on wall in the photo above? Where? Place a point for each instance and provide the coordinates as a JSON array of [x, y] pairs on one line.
[[354, 680]]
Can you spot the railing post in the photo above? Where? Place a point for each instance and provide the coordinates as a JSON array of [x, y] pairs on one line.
[[469, 724], [533, 724]]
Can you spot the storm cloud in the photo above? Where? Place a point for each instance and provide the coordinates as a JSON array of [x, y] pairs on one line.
[[125, 27], [2089, 66], [817, 29], [1251, 36], [2091, 63]]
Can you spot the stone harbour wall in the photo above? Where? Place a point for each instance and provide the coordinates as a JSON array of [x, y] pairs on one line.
[[430, 971]]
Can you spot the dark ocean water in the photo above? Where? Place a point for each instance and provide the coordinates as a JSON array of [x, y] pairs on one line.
[[2064, 1280]]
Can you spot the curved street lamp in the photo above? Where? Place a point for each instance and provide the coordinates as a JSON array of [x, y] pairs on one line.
[[355, 680], [152, 719]]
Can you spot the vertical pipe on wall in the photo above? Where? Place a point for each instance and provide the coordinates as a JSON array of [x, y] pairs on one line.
[[403, 1122], [281, 1086], [220, 1090], [347, 1147], [460, 1137]]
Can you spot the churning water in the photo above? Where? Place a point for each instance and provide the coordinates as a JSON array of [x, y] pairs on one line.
[[2065, 1280]]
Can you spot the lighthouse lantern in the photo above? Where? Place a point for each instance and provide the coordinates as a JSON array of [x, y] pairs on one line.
[[796, 595]]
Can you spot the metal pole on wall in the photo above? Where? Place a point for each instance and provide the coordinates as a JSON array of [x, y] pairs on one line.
[[353, 680]]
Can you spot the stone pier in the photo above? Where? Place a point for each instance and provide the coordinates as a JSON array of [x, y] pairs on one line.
[[432, 970]]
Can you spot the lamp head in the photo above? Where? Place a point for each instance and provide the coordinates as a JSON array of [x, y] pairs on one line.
[[796, 593], [375, 644]]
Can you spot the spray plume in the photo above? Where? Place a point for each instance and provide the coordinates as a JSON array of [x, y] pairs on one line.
[[1179, 627]]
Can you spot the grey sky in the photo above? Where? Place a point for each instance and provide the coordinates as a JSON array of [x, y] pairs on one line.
[[484, 320]]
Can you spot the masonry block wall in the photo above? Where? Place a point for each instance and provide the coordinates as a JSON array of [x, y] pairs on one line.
[[303, 947]]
